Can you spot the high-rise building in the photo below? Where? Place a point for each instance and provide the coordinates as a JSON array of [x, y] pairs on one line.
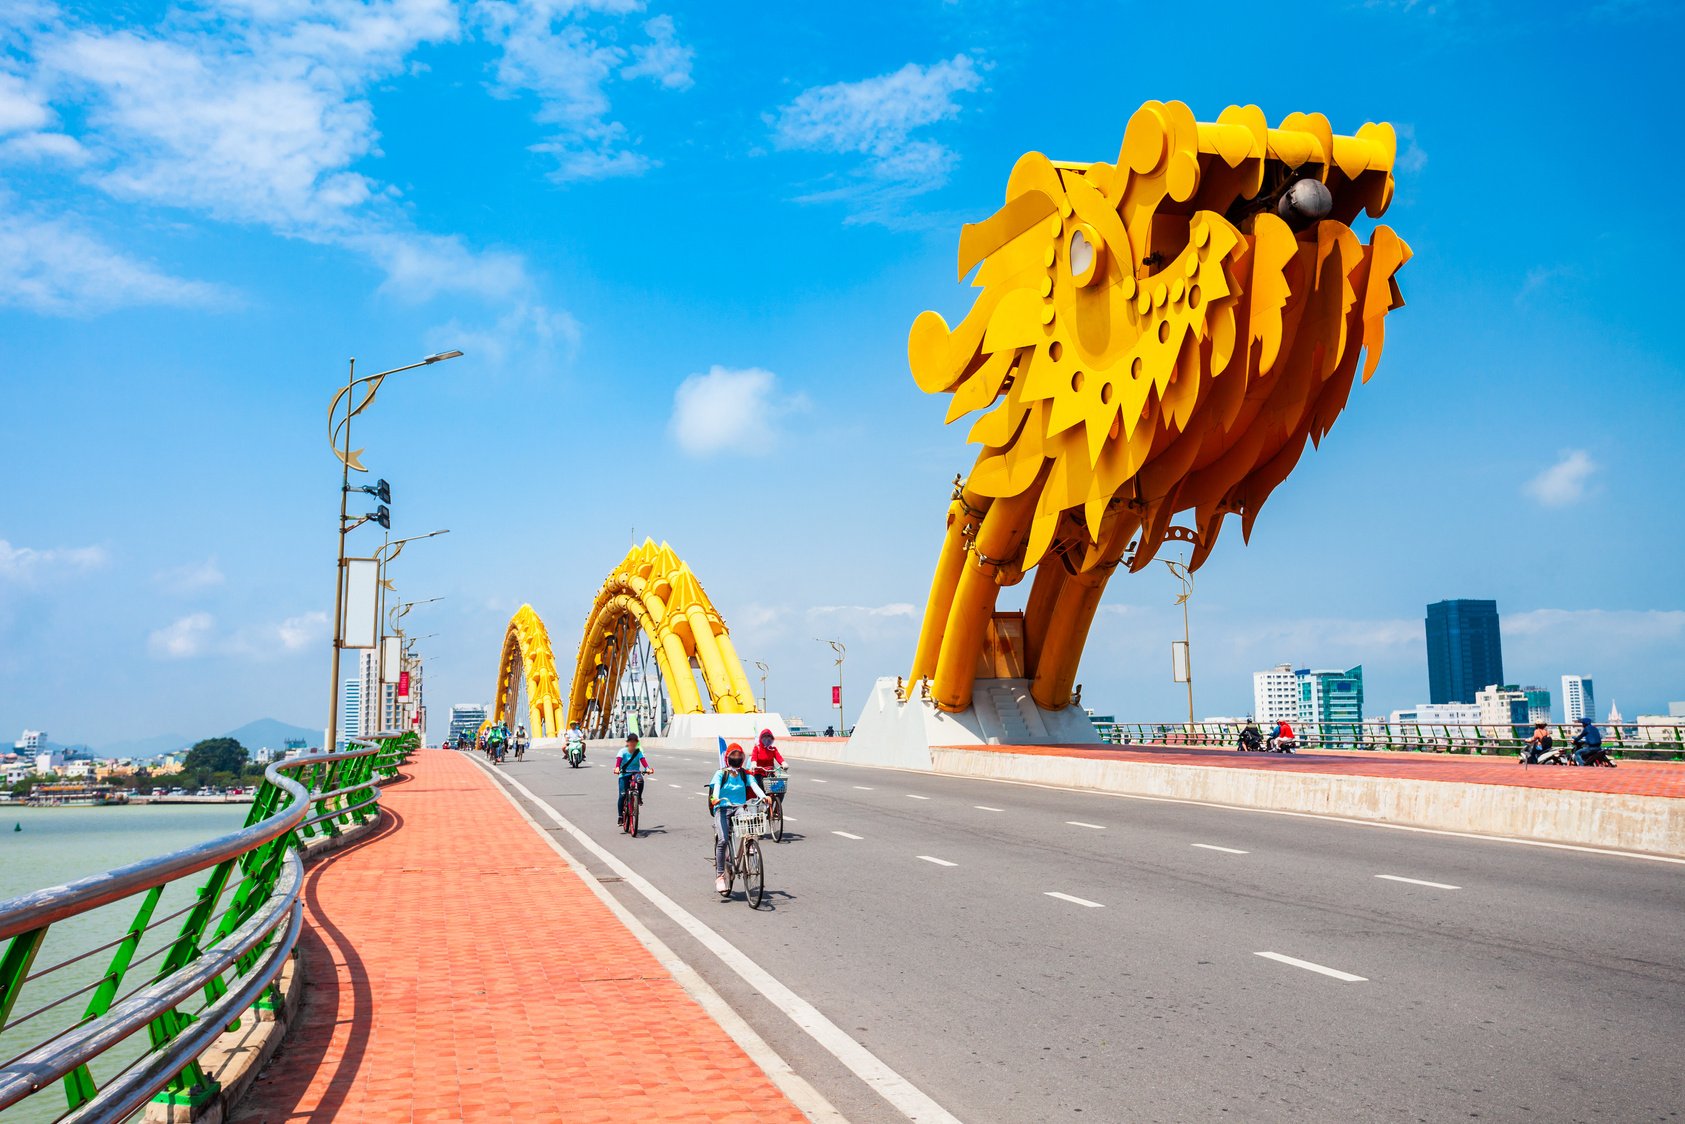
[[1503, 711], [1538, 704], [1331, 704], [351, 709], [31, 743], [466, 719], [380, 700], [1465, 652], [1275, 694], [1577, 698]]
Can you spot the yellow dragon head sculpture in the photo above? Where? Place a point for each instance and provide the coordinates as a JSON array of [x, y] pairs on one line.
[[1164, 333]]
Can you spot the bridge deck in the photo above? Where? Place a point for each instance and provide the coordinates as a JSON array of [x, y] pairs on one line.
[[1637, 778], [458, 969]]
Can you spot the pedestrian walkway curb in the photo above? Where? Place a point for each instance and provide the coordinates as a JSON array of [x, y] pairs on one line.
[[1617, 821]]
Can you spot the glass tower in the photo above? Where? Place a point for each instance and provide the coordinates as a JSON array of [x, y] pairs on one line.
[[1465, 654]]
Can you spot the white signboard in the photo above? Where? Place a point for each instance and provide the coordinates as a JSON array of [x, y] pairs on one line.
[[361, 577], [1179, 661], [391, 658]]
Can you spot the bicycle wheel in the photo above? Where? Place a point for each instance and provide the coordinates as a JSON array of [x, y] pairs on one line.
[[778, 819], [754, 874], [632, 815]]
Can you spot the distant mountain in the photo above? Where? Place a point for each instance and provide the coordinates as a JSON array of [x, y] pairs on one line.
[[271, 732]]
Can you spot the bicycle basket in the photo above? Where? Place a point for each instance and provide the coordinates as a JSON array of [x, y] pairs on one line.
[[776, 785], [752, 824]]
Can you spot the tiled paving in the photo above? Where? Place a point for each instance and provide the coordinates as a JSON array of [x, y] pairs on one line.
[[458, 970], [1637, 778]]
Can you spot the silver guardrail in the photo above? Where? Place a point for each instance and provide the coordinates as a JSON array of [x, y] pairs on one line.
[[237, 931]]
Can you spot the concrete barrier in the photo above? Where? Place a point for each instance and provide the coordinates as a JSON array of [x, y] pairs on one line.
[[1653, 824]]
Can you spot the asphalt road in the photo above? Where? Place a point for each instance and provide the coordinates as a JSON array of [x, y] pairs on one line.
[[1025, 954]]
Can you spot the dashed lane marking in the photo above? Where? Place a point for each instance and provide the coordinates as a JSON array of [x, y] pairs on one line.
[[937, 861], [864, 787], [1093, 826], [1309, 967], [1074, 901], [1225, 850], [911, 796], [1418, 882], [846, 835], [986, 808]]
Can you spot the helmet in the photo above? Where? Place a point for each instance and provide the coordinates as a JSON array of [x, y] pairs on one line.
[[1584, 721], [631, 739]]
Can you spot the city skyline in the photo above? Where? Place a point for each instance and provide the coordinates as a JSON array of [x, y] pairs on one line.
[[677, 248]]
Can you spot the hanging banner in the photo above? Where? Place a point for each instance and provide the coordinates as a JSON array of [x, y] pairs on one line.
[[391, 658], [836, 696], [358, 578], [403, 684]]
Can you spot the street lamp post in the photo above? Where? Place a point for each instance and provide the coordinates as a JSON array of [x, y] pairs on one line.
[[764, 669], [838, 647], [382, 587], [395, 627], [340, 442], [1183, 668]]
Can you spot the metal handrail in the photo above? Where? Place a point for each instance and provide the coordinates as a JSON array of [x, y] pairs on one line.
[[257, 907], [1440, 737]]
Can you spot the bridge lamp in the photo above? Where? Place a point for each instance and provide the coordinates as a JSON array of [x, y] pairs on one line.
[[763, 669], [841, 650], [339, 440]]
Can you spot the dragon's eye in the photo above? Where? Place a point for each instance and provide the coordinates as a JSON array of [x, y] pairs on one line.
[[1083, 252]]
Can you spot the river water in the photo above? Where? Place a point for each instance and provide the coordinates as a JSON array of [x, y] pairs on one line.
[[59, 845]]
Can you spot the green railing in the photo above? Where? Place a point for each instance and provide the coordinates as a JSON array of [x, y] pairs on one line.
[[183, 960], [1659, 742]]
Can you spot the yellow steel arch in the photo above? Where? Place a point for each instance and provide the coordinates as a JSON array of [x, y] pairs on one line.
[[655, 593], [1161, 334], [527, 660]]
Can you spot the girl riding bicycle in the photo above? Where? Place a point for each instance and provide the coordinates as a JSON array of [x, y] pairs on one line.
[[728, 791]]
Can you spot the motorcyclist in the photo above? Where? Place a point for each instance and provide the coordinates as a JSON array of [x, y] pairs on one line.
[[1251, 737], [1588, 745], [1281, 736], [729, 790], [576, 741], [1536, 746]]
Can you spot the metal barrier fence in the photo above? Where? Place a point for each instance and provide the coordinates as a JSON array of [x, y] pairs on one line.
[[236, 932], [1665, 742]]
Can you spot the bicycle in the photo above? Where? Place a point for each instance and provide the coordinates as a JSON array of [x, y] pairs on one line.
[[634, 799], [743, 858], [776, 784]]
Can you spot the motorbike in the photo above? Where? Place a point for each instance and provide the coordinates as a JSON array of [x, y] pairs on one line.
[[1251, 741], [576, 753]]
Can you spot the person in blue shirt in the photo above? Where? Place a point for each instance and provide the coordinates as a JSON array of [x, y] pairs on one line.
[[627, 762], [728, 791], [1589, 745]]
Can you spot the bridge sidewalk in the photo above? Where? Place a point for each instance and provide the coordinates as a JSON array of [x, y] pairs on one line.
[[458, 969]]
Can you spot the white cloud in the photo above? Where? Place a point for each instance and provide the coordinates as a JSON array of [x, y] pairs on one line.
[[729, 409], [50, 266], [1564, 482], [22, 109], [893, 609], [876, 118], [23, 563], [190, 578], [182, 639], [1616, 626], [301, 631], [1411, 157], [557, 51], [529, 335]]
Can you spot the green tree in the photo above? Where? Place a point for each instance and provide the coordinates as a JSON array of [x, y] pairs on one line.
[[215, 755]]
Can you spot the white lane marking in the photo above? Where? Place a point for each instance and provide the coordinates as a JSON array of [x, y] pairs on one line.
[[846, 835], [864, 787], [1079, 823], [908, 1099], [910, 796], [1214, 847], [937, 861], [805, 1096], [1418, 882], [1077, 901], [1309, 967], [815, 780], [670, 785], [986, 808]]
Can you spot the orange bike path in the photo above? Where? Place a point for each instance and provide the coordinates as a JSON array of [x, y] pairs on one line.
[[456, 968], [1635, 778]]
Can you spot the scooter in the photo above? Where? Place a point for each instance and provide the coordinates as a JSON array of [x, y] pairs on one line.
[[576, 754], [1251, 741]]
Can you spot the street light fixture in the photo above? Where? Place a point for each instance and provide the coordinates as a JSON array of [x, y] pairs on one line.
[[764, 670], [339, 439], [841, 650]]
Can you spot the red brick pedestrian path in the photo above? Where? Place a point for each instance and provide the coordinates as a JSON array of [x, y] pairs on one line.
[[1637, 778], [457, 969]]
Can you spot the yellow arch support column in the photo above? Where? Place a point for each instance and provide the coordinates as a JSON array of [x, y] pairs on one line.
[[734, 667]]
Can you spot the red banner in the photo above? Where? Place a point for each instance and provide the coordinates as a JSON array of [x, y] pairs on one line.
[[403, 684], [836, 696]]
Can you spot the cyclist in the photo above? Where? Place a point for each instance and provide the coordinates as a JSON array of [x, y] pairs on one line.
[[728, 791], [520, 742], [627, 762]]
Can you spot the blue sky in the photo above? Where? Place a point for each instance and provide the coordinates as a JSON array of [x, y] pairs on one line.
[[681, 245]]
